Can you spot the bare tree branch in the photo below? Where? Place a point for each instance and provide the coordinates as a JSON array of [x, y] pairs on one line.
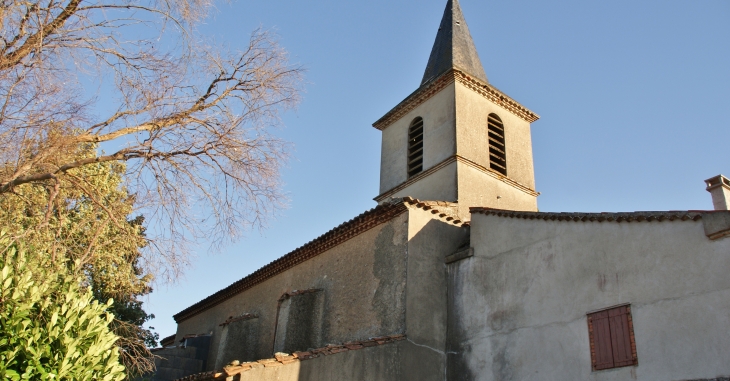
[[194, 125], [190, 139]]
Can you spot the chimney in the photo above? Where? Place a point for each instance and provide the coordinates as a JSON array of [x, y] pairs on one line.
[[719, 188]]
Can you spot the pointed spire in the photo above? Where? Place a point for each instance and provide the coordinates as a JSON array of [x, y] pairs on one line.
[[453, 47]]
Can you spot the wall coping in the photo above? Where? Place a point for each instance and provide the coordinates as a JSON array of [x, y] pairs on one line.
[[716, 223], [648, 216]]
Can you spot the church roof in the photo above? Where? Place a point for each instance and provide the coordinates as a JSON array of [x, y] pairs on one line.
[[454, 47]]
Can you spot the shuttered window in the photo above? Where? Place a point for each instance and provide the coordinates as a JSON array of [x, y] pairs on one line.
[[497, 152], [612, 341], [415, 147]]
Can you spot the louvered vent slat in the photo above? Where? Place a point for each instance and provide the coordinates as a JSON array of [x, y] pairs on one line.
[[497, 151], [415, 147]]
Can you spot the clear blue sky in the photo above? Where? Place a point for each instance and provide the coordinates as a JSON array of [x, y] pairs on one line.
[[633, 98]]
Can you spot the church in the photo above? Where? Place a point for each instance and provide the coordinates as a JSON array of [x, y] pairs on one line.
[[456, 274]]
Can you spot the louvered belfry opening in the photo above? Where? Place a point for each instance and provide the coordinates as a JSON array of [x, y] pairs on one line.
[[415, 147], [497, 152]]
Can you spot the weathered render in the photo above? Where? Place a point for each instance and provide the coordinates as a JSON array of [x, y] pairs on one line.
[[475, 284], [518, 305], [362, 283], [438, 113], [359, 288]]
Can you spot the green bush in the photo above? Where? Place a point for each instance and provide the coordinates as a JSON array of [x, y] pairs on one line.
[[50, 327]]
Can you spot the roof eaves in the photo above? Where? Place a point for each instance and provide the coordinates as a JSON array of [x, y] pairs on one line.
[[642, 216], [444, 210]]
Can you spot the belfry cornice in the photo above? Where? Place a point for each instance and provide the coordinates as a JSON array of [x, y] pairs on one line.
[[430, 89], [417, 97], [497, 97]]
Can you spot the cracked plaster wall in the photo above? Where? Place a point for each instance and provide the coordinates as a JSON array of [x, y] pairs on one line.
[[518, 306]]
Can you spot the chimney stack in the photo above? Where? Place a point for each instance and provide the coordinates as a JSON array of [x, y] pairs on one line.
[[719, 188]]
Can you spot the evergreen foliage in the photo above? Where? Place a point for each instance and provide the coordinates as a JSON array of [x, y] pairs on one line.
[[50, 327], [82, 228], [84, 221]]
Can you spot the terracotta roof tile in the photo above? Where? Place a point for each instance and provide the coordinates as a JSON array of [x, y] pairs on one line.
[[446, 211], [688, 215]]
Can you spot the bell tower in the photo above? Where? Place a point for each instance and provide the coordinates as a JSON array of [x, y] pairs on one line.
[[457, 138]]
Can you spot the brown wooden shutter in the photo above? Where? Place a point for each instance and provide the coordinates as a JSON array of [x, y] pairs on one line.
[[620, 336], [601, 341], [611, 334]]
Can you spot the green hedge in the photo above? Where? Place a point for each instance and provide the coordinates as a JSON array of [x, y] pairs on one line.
[[50, 327]]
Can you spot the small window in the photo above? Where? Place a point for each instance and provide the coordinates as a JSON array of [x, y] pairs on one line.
[[415, 147], [612, 341], [497, 152]]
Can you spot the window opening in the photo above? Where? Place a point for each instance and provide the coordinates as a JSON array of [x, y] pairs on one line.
[[612, 341], [497, 152], [415, 147]]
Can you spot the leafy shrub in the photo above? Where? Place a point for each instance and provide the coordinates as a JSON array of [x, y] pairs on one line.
[[50, 327]]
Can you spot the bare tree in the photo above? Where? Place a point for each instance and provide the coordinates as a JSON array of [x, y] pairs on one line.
[[191, 122]]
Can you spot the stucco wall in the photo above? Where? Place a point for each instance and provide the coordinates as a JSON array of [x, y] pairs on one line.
[[363, 283], [477, 188], [400, 361], [438, 186], [431, 240], [472, 110], [438, 139], [518, 306]]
